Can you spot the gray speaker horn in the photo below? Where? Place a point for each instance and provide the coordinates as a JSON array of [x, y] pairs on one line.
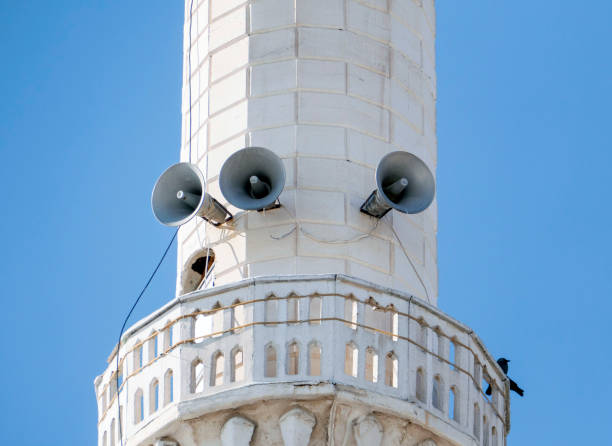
[[178, 196], [404, 183], [252, 178]]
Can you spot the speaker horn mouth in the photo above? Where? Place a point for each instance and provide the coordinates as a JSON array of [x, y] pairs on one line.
[[252, 178], [404, 182]]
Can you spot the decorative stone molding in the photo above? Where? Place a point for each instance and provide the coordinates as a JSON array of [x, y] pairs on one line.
[[296, 427], [428, 442], [368, 432], [237, 431]]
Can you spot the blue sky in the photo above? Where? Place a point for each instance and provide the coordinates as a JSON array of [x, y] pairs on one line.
[[90, 115]]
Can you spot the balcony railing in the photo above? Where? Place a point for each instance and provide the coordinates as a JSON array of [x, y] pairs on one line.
[[317, 329]]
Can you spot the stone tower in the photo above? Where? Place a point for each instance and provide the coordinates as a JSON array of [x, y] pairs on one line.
[[318, 324]]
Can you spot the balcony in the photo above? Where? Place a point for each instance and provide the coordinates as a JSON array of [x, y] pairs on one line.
[[302, 336]]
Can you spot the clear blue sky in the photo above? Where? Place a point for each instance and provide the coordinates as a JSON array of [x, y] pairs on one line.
[[90, 115]]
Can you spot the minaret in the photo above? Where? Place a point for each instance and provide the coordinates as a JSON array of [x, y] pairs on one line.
[[309, 323]]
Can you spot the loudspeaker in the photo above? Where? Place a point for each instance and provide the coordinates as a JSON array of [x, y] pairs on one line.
[[252, 178], [179, 195], [404, 183]]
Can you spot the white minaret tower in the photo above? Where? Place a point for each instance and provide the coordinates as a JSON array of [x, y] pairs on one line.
[[309, 323]]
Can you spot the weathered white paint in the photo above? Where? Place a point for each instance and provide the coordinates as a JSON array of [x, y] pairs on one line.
[[237, 431], [331, 86], [296, 427], [368, 432]]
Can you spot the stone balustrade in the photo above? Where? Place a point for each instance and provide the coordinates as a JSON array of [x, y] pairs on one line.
[[317, 334]]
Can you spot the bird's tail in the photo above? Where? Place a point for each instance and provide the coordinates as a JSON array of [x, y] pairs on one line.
[[514, 386]]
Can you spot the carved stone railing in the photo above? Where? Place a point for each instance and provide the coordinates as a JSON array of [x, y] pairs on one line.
[[327, 329]]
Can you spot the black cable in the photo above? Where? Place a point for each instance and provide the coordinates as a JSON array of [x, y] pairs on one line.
[[124, 324]]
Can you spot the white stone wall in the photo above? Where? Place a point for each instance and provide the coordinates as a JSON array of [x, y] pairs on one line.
[[331, 86], [419, 341]]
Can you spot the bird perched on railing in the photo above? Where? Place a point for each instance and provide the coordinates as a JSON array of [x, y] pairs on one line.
[[503, 363]]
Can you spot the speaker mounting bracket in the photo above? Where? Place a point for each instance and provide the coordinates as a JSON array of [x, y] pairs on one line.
[[374, 206], [274, 205]]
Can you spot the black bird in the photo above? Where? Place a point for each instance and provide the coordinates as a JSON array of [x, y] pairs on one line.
[[503, 363]]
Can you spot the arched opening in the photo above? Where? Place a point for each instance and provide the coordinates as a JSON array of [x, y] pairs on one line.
[[350, 312], [104, 439], [271, 310], [202, 326], [197, 376], [216, 377], [112, 432], [168, 387], [476, 371], [453, 404], [237, 315], [138, 359], [217, 320], [197, 271], [494, 436], [314, 359], [138, 406], [435, 342], [315, 310], [371, 365], [420, 386], [476, 421], [121, 423], [237, 374], [153, 346], [270, 368], [392, 322], [112, 387], [452, 353], [423, 334], [351, 359], [485, 431], [168, 338], [153, 396], [374, 316], [391, 370], [293, 309], [436, 393], [293, 359]]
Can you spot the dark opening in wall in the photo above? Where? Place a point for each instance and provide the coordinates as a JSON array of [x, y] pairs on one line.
[[197, 270]]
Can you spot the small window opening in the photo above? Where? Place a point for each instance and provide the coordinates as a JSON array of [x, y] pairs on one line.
[[293, 359], [351, 359], [154, 396], [168, 387], [112, 432], [217, 374], [436, 393], [315, 310], [371, 365], [453, 405], [237, 374], [271, 310], [391, 370], [270, 370], [197, 376], [476, 421], [314, 359], [293, 309], [420, 386], [350, 313], [138, 406], [237, 313]]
